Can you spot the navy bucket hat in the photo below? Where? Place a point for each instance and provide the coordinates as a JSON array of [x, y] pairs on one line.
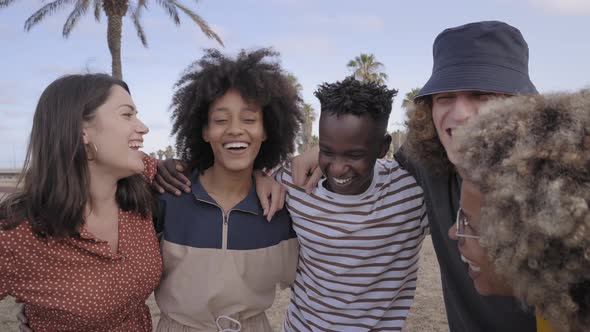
[[488, 56]]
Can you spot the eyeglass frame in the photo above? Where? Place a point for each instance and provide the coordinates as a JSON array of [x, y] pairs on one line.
[[463, 221]]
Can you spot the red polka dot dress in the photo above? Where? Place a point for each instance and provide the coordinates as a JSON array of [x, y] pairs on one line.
[[78, 283]]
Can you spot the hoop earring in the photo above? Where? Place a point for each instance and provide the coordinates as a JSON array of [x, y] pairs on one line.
[[95, 152]]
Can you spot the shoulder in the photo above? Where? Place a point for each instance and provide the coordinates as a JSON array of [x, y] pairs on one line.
[[150, 167], [12, 239], [393, 177], [284, 174]]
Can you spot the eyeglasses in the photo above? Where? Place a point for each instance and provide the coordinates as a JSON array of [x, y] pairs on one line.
[[462, 227]]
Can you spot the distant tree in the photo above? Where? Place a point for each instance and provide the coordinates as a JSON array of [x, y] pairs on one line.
[[367, 69], [293, 80], [160, 154], [153, 155], [114, 10], [410, 97], [397, 139], [306, 130], [315, 141], [169, 152], [305, 135]]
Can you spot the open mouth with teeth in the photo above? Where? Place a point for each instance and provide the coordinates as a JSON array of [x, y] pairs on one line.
[[236, 146], [135, 145], [342, 181], [471, 264]]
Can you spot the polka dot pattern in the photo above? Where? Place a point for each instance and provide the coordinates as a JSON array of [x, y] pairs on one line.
[[78, 284]]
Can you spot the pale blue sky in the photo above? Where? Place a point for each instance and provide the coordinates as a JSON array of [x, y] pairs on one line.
[[316, 39]]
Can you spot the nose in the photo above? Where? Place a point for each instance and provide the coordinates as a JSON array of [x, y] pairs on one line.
[[465, 108], [235, 127], [142, 128], [338, 168]]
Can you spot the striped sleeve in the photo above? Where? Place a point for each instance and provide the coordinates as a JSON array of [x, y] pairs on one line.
[[424, 219]]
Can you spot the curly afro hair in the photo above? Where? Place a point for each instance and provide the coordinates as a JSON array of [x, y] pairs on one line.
[[530, 157], [355, 97], [260, 80]]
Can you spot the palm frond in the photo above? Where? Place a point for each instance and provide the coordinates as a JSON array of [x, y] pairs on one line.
[[49, 8], [5, 3], [79, 10], [170, 7], [97, 9], [135, 18], [200, 22]]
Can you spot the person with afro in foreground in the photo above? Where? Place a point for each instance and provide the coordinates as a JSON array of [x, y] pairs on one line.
[[523, 224]]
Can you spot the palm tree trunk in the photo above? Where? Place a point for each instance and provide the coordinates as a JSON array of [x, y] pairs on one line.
[[114, 30]]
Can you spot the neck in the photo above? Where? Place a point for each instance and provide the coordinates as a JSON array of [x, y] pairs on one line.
[[103, 189], [225, 185]]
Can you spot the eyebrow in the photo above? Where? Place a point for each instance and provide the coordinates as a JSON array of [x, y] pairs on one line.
[[247, 109], [130, 106]]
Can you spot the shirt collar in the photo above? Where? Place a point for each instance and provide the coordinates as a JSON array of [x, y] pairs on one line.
[[249, 204]]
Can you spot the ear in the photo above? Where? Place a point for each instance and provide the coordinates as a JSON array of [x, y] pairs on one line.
[[205, 134], [85, 138], [385, 144]]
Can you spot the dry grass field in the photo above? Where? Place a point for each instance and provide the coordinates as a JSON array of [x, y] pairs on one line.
[[427, 314]]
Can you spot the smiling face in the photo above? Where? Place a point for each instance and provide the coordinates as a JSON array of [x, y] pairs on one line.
[[114, 136], [235, 131], [452, 109], [479, 267], [349, 147]]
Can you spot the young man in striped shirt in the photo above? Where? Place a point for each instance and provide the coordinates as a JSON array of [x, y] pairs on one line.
[[361, 228]]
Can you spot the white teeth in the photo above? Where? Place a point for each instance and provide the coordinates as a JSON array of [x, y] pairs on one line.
[[342, 181], [136, 144], [235, 145], [474, 267]]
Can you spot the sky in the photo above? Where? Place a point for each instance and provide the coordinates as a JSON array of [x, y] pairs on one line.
[[316, 39]]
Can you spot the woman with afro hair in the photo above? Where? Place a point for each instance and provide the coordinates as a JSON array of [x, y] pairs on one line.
[[222, 258], [523, 226]]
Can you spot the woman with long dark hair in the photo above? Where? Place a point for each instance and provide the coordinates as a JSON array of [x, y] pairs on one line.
[[77, 245]]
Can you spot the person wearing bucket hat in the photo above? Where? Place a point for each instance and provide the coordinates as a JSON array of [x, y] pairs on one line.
[[472, 64]]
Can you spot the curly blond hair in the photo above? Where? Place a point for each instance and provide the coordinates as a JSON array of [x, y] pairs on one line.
[[422, 143], [530, 157]]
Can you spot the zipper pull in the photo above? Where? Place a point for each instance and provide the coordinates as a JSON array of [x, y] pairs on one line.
[[225, 219]]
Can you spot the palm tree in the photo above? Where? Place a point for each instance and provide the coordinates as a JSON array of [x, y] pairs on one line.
[[367, 69], [114, 10], [160, 153], [169, 152], [410, 97], [295, 82], [306, 130], [305, 137]]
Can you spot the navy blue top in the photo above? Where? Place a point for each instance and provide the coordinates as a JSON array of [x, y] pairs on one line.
[[196, 220]]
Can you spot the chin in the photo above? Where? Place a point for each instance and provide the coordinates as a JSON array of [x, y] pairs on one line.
[[238, 165]]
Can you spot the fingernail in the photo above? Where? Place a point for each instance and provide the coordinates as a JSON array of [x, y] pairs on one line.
[[177, 193], [187, 190], [161, 191]]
